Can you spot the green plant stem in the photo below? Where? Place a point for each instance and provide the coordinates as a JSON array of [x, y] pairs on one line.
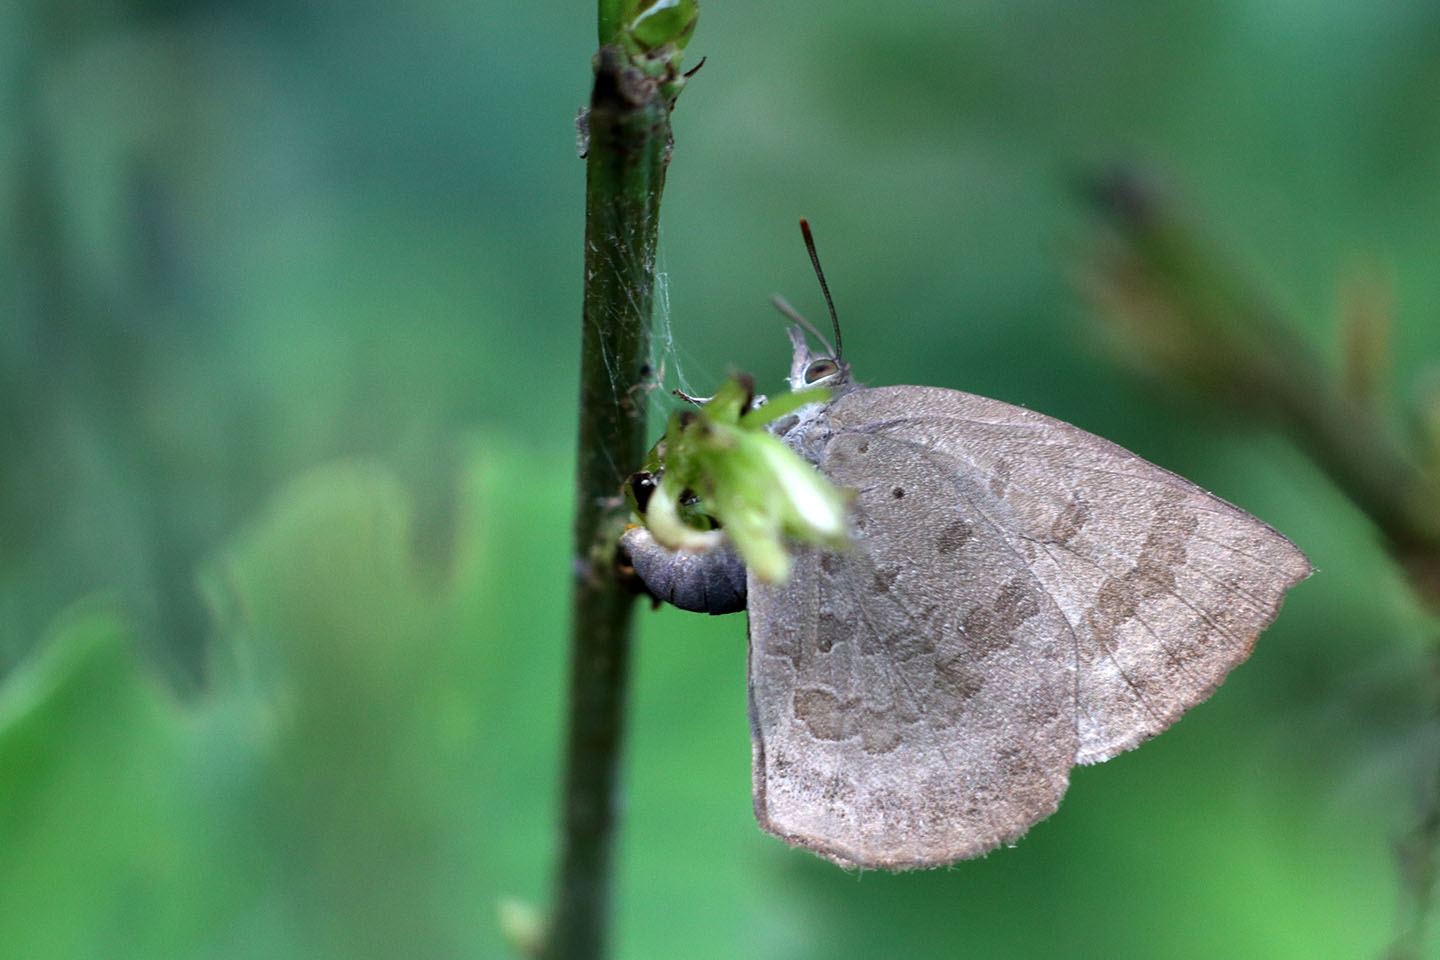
[[610, 16], [625, 174]]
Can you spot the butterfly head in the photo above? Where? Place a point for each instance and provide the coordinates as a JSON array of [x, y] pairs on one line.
[[810, 369]]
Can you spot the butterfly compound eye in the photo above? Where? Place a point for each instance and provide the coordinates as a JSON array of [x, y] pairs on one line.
[[820, 369]]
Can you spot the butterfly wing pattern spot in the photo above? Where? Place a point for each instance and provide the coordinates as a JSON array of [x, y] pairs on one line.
[[1021, 596]]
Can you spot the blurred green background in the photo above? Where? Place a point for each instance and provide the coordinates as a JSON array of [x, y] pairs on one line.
[[288, 360]]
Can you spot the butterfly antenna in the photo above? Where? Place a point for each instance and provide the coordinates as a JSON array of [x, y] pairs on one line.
[[793, 315], [824, 287]]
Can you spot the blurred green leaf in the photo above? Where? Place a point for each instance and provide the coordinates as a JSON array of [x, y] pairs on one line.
[[311, 804], [103, 845]]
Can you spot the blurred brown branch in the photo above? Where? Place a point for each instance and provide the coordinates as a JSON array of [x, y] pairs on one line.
[[1204, 324]]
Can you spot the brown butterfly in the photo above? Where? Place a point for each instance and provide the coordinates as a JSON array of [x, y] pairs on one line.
[[1020, 596]]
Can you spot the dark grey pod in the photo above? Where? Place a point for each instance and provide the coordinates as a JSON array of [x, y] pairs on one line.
[[710, 582]]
